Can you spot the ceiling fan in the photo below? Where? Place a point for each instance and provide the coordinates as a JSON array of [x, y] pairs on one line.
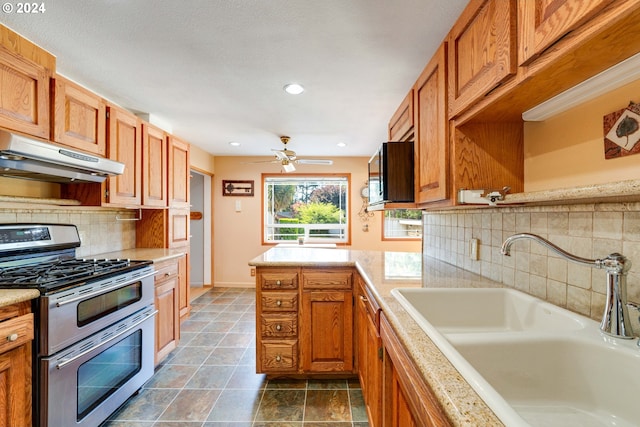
[[288, 158]]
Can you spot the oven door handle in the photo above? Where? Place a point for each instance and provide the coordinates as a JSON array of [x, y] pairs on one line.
[[119, 334], [102, 291]]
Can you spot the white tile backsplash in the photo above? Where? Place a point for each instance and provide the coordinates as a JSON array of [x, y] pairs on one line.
[[586, 230], [98, 228]]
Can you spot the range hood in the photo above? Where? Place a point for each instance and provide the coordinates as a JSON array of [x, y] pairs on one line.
[[23, 157]]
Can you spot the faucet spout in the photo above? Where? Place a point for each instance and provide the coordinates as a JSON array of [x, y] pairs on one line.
[[615, 319]]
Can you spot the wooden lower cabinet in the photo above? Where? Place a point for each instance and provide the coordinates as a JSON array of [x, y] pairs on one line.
[[167, 301], [370, 354], [277, 320], [16, 328], [304, 319], [408, 399]]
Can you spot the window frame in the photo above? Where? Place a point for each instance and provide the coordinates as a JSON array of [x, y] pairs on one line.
[[398, 239], [310, 176]]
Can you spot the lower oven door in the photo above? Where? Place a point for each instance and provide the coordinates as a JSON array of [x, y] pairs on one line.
[[97, 375]]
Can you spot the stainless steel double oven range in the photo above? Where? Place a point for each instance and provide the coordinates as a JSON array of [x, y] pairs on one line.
[[95, 328]]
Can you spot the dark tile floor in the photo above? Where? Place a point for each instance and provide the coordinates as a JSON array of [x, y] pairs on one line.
[[210, 379]]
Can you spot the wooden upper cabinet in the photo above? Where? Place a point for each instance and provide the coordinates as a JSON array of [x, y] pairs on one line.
[[179, 173], [79, 117], [431, 145], [401, 124], [24, 95], [154, 166], [482, 51], [543, 22], [125, 145]]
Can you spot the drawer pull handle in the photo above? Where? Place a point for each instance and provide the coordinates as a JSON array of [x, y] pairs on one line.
[[278, 358], [278, 303], [13, 337], [278, 327]]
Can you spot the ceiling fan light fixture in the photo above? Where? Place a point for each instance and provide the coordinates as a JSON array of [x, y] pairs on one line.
[[288, 166], [293, 88]]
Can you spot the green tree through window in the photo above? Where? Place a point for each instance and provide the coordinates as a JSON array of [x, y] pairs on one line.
[[313, 208]]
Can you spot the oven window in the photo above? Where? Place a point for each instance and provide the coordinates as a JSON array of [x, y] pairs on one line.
[[102, 305], [99, 377]]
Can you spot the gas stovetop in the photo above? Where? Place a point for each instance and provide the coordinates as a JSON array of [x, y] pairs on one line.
[[51, 275], [42, 256]]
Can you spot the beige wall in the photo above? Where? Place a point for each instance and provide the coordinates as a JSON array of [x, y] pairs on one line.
[[568, 150], [237, 235], [201, 160]]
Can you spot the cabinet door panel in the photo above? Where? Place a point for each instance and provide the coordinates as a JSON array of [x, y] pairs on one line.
[[154, 167], [79, 117], [179, 173], [125, 146], [482, 51], [167, 319], [544, 22], [327, 331], [432, 137], [24, 95], [401, 124]]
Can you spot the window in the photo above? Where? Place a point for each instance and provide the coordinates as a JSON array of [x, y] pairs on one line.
[[402, 224], [310, 207]]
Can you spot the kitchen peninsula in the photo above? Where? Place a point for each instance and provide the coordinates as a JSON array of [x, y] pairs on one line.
[[381, 272]]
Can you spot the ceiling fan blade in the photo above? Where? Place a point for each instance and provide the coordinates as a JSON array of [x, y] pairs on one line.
[[314, 162], [262, 161], [280, 154]]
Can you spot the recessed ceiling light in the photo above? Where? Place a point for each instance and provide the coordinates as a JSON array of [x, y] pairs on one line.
[[234, 144], [293, 88], [341, 144]]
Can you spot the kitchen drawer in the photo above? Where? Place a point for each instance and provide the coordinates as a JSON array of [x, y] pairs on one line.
[[165, 271], [280, 356], [15, 332], [327, 279], [279, 301], [279, 325], [279, 279]]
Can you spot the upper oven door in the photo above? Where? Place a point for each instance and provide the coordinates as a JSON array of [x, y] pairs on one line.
[[68, 316]]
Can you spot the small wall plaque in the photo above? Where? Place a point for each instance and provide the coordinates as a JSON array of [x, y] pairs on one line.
[[237, 188], [622, 132]]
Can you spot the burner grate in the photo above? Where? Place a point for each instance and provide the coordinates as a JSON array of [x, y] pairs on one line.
[[64, 270]]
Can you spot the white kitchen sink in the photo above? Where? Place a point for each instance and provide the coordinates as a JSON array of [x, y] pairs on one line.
[[461, 310], [533, 363]]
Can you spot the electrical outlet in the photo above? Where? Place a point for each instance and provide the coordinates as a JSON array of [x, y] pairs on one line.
[[473, 249], [253, 272]]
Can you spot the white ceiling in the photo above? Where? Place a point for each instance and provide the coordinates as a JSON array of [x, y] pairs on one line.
[[213, 70]]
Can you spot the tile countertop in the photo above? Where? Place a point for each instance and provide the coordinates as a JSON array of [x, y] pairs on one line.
[[384, 271]]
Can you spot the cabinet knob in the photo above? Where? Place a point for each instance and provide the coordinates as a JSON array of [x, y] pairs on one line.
[[363, 298], [278, 303], [278, 283], [278, 327], [278, 358], [13, 337]]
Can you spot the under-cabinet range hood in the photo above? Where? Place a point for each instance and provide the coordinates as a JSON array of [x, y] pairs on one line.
[[23, 157]]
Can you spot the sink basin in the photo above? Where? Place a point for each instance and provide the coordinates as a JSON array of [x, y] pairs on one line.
[[559, 380], [533, 363], [485, 310]]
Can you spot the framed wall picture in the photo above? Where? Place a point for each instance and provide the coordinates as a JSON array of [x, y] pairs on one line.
[[237, 188]]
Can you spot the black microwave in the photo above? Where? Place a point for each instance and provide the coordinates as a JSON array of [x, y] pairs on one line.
[[391, 175]]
